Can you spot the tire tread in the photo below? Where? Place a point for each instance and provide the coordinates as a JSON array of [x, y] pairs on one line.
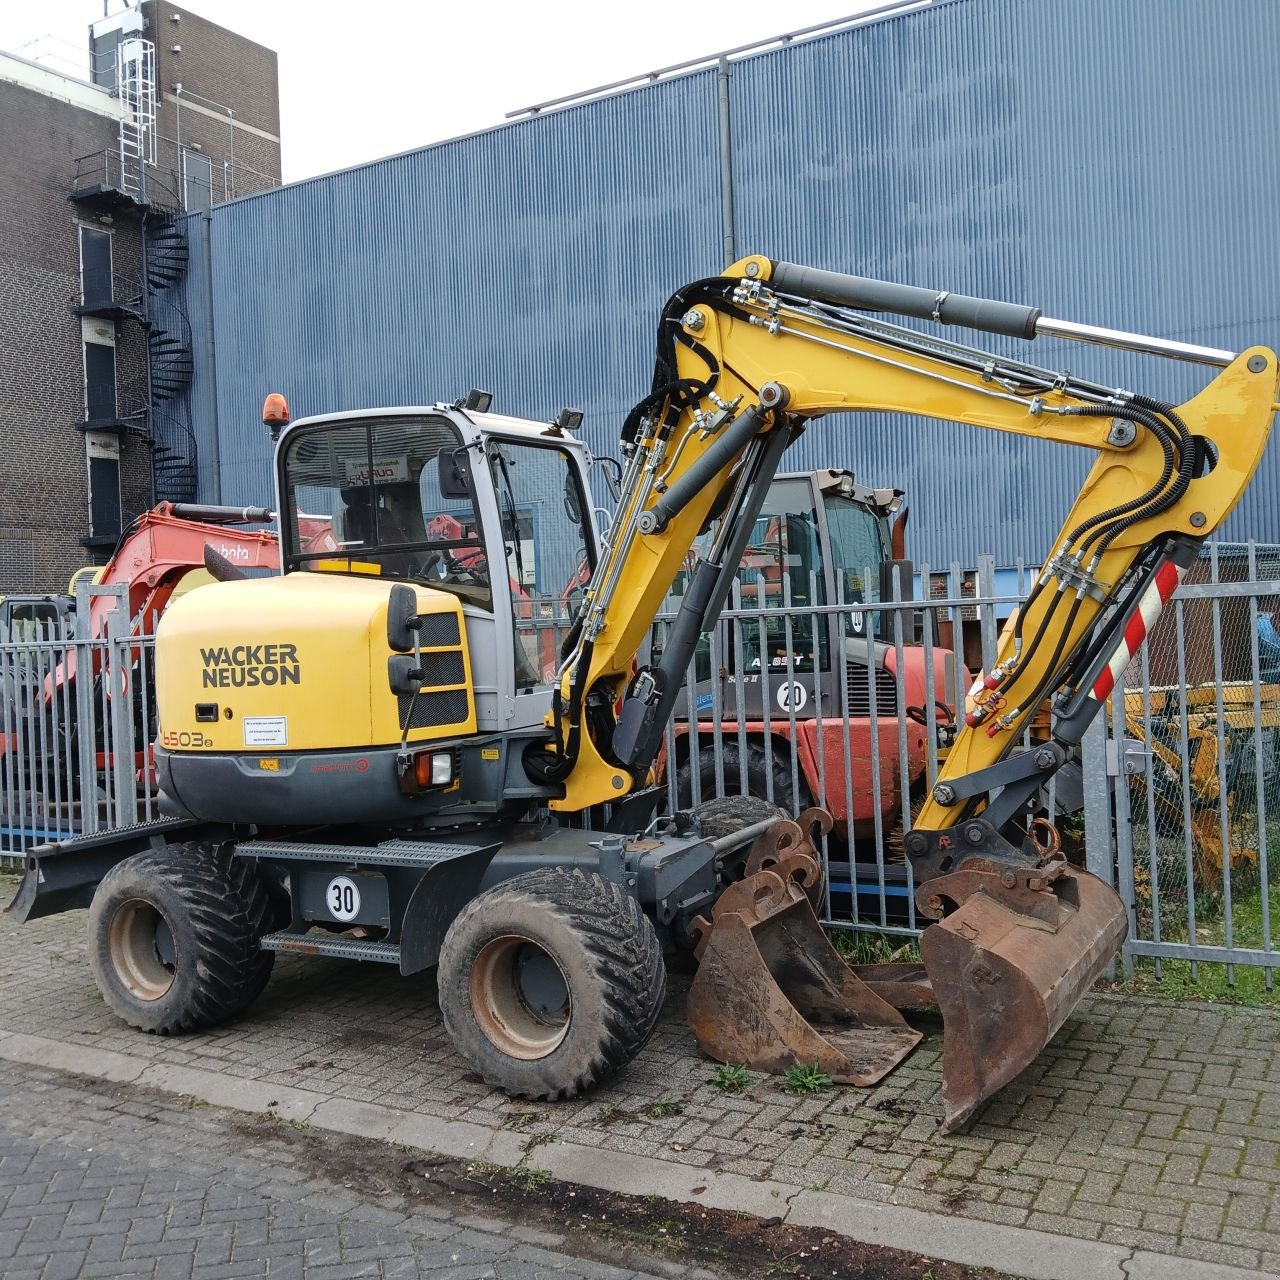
[[621, 945]]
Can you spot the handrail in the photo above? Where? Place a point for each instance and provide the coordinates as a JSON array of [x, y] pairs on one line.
[[788, 37]]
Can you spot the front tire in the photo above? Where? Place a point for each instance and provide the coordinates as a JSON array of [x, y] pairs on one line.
[[174, 938], [551, 982]]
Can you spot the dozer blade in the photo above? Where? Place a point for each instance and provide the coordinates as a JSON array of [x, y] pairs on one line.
[[1006, 981], [772, 993]]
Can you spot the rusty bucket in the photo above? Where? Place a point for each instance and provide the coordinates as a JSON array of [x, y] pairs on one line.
[[772, 993], [1006, 980]]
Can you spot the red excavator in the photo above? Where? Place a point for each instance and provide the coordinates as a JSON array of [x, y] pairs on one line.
[[165, 552]]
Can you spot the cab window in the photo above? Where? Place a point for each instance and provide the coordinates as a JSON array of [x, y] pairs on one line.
[[780, 570], [390, 498], [549, 550], [859, 545]]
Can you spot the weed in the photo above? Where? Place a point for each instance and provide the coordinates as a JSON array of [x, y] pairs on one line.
[[857, 947], [529, 1178], [523, 1120], [810, 1079], [537, 1140], [731, 1078], [666, 1106], [302, 1125], [820, 1186]]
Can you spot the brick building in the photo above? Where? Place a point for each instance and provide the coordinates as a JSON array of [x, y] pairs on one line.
[[178, 114]]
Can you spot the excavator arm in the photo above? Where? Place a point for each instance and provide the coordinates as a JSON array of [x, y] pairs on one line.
[[161, 548], [745, 362]]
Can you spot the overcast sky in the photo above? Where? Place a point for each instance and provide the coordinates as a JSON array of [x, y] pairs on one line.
[[424, 70]]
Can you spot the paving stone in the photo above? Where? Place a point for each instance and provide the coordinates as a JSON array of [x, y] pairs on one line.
[[194, 1219], [1140, 1106]]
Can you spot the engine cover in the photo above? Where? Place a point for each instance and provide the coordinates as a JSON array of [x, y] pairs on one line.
[[275, 702]]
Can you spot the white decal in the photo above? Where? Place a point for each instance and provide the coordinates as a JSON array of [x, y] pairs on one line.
[[792, 696], [266, 731], [385, 470], [342, 897]]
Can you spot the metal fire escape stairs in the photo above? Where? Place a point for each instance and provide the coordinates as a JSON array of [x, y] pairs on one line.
[[126, 183]]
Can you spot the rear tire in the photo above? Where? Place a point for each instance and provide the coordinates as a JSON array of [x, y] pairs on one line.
[[174, 938], [753, 773], [727, 814], [551, 982]]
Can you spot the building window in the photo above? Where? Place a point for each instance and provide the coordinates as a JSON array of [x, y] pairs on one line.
[[102, 452], [95, 266], [197, 181], [99, 382]]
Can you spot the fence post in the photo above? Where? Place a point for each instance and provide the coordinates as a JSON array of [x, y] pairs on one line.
[[118, 685], [986, 591], [1098, 854], [85, 724], [1119, 791]]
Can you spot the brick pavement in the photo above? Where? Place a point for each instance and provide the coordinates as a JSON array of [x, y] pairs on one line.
[[1146, 1124], [119, 1183]]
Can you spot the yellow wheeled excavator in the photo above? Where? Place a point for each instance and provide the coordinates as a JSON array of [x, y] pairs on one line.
[[430, 746]]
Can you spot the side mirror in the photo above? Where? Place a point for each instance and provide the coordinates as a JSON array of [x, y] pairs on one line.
[[902, 589], [403, 622], [455, 473], [611, 469]]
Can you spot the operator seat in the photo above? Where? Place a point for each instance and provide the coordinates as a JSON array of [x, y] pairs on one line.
[[359, 530]]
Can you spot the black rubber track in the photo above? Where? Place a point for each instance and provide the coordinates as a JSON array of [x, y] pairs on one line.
[[216, 908], [608, 952]]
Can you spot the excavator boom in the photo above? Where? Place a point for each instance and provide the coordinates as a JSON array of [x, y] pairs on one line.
[[745, 363]]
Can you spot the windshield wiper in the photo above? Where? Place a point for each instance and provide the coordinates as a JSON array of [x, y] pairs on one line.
[[513, 519]]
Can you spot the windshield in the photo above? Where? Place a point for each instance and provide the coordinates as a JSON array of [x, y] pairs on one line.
[[368, 498], [550, 553], [781, 574], [859, 545]]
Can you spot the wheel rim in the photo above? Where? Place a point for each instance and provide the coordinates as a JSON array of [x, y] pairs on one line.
[[141, 947], [520, 998]]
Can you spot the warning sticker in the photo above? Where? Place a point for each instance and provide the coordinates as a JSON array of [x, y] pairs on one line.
[[266, 731]]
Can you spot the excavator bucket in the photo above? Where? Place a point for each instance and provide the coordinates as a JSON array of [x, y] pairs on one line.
[[772, 993], [1006, 978]]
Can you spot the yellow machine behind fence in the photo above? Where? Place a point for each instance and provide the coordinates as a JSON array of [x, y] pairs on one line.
[[1201, 741]]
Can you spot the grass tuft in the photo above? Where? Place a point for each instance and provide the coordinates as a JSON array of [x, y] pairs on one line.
[[806, 1079]]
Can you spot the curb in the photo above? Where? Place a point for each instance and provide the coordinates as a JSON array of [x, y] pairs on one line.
[[1020, 1251]]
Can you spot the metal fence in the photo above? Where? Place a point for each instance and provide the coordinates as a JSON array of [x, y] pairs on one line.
[[77, 715], [1195, 800], [801, 699]]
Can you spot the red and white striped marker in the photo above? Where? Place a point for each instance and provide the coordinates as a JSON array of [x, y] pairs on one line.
[[1152, 604]]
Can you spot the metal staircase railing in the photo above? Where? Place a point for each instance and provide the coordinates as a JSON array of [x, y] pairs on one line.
[[173, 459]]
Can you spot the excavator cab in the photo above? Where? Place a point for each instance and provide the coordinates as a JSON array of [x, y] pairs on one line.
[[473, 515]]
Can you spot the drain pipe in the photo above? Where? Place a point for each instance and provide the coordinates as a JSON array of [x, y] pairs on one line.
[[726, 166]]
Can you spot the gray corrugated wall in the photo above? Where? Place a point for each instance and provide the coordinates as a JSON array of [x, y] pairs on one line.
[[529, 260], [1112, 161]]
